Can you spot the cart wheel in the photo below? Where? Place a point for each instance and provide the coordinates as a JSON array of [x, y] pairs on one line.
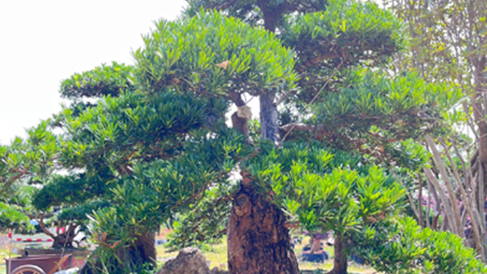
[[28, 269]]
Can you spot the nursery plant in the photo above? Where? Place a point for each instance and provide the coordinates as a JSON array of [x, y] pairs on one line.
[[153, 140]]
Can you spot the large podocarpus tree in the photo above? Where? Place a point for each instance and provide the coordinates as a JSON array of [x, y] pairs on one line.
[[158, 140], [332, 103], [156, 143]]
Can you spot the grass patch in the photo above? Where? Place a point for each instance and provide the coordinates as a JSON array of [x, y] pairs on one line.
[[216, 254]]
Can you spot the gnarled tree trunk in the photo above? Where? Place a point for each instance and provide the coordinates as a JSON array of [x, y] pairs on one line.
[[340, 261], [258, 242], [62, 239], [145, 249]]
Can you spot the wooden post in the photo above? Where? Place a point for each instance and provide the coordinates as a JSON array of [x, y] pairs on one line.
[[11, 233]]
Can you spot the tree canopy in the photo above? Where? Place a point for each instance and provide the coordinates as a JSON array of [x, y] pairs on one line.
[[141, 145]]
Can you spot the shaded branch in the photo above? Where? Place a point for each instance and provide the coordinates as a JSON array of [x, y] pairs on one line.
[[311, 62], [44, 228]]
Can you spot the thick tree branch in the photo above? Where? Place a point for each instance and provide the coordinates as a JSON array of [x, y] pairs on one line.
[[318, 131], [44, 228], [311, 62]]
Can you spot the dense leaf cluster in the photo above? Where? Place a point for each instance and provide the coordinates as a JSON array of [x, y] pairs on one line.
[[128, 127], [32, 159], [106, 80], [372, 110], [156, 147], [213, 55], [406, 248], [12, 217], [345, 31], [251, 11]]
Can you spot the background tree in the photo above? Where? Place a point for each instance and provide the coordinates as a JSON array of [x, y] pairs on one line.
[[448, 44], [35, 161]]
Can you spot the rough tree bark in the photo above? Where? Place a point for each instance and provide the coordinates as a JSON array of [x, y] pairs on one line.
[[145, 249], [60, 240], [340, 262], [258, 241]]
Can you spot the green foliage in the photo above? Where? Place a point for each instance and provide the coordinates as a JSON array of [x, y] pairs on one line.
[[67, 190], [250, 11], [320, 195], [15, 204], [12, 217], [368, 94], [440, 47], [122, 129], [72, 214], [351, 30], [78, 213], [190, 55], [321, 190], [32, 159], [327, 192], [102, 81], [408, 154], [383, 110], [205, 219], [155, 191], [406, 248], [156, 147]]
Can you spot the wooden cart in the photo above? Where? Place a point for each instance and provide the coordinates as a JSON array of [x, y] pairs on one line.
[[37, 264]]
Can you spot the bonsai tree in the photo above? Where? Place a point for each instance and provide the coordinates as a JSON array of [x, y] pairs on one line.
[[335, 101], [29, 163], [69, 221], [158, 144], [149, 133]]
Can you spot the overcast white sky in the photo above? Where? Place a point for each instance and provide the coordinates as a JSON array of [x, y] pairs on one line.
[[44, 42]]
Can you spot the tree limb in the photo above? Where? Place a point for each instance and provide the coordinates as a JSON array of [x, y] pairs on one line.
[[44, 228]]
